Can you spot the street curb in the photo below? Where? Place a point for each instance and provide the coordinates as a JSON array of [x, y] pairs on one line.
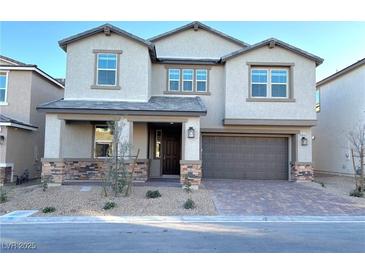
[[179, 219]]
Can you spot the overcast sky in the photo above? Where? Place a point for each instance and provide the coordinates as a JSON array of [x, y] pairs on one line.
[[339, 43]]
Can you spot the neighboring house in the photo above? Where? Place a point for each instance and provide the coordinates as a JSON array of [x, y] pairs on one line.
[[195, 101], [22, 88], [341, 109]]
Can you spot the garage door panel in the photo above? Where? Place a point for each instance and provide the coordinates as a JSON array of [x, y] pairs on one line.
[[242, 157]]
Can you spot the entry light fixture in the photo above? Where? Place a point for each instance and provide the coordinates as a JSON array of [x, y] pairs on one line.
[[191, 132], [2, 139], [304, 141]]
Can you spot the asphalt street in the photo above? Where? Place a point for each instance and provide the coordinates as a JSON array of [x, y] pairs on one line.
[[184, 237]]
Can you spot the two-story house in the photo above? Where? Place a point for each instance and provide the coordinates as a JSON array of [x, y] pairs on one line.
[[22, 88], [341, 109], [194, 100]]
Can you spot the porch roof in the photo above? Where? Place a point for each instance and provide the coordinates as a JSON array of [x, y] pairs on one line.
[[7, 121], [156, 105]]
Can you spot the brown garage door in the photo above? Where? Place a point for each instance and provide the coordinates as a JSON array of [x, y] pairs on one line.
[[241, 157]]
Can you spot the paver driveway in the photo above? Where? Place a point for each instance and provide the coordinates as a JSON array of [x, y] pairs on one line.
[[235, 197]]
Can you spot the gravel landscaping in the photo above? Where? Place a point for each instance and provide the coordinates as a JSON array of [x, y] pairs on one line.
[[86, 201], [339, 185]]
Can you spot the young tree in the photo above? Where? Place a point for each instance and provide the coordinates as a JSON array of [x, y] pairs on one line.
[[357, 144], [120, 166]]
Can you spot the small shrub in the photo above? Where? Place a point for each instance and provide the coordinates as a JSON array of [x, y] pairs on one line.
[[3, 195], [109, 205], [357, 193], [189, 204], [49, 209], [45, 182], [152, 194]]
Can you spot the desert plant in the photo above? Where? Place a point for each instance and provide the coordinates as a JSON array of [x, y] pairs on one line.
[[187, 185], [3, 195], [189, 204], [45, 181], [48, 209], [356, 139], [109, 205], [120, 167], [152, 194], [357, 193]]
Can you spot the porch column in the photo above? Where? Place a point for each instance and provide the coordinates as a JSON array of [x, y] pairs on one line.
[[301, 167], [190, 164], [53, 166]]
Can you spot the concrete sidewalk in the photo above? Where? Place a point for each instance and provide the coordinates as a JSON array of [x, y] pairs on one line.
[[13, 218]]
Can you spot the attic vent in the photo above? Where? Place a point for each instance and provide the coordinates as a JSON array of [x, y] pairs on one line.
[[272, 44], [196, 27], [107, 31]]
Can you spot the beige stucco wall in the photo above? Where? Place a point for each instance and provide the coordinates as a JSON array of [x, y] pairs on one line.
[[190, 43], [77, 140], [21, 151], [342, 110], [53, 131], [18, 96], [140, 139], [191, 146], [3, 132], [133, 71], [237, 87]]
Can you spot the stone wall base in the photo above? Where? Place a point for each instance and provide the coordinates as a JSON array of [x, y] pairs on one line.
[[302, 172], [63, 170], [5, 175], [191, 171]]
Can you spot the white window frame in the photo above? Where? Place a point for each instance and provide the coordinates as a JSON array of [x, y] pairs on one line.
[[269, 83], [183, 80], [5, 102], [115, 70], [101, 142], [196, 81], [169, 80]]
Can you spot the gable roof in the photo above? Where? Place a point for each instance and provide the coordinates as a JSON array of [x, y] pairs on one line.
[[341, 72], [272, 42], [12, 61], [107, 29], [198, 25]]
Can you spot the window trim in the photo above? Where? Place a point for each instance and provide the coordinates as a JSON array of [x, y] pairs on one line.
[[100, 142], [275, 66], [5, 102], [116, 86], [169, 80]]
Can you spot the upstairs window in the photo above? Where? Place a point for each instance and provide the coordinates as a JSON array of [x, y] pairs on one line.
[[201, 80], [187, 80], [174, 79], [103, 141], [106, 69], [188, 77], [3, 86], [269, 82]]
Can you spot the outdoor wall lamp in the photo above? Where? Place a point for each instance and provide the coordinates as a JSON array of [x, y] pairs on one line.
[[304, 141], [191, 132], [2, 139]]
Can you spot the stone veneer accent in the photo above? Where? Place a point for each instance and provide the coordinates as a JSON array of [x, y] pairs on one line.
[[302, 172], [5, 175], [191, 170], [67, 170]]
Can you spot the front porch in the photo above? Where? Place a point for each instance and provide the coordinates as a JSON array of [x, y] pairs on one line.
[[78, 146]]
